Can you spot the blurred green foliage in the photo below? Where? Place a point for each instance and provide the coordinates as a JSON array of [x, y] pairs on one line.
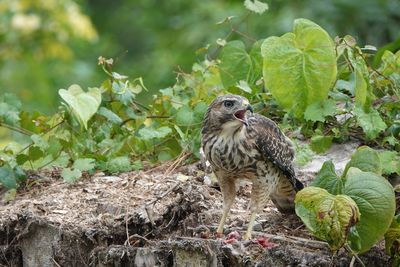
[[47, 44]]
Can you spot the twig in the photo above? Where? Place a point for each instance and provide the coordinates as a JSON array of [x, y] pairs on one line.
[[176, 163], [149, 215], [348, 248], [140, 237], [126, 226], [353, 260], [16, 129], [148, 117], [141, 105], [45, 132], [56, 263], [291, 239], [164, 194], [51, 161], [295, 239]]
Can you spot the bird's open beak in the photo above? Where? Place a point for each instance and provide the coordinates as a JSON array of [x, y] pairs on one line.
[[241, 114], [250, 108]]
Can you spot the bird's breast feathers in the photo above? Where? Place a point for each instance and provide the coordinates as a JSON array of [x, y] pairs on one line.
[[232, 149]]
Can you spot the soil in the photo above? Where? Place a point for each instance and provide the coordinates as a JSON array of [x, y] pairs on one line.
[[157, 217]]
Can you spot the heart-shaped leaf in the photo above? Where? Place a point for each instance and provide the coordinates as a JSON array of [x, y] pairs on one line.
[[376, 201], [328, 217], [83, 104], [370, 121], [328, 180], [365, 159], [300, 67], [238, 65]]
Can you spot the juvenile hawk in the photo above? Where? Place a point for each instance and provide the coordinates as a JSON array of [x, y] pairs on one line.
[[242, 145]]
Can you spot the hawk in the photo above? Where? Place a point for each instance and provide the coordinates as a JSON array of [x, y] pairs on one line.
[[240, 144]]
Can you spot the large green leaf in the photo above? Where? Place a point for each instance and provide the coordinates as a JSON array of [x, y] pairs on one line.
[[9, 109], [119, 164], [84, 164], [7, 177], [256, 6], [365, 159], [238, 65], [71, 175], [321, 143], [111, 116], [11, 177], [185, 116], [299, 67], [361, 87], [328, 180], [83, 104], [376, 201], [328, 217], [148, 133], [319, 110], [370, 121], [390, 161]]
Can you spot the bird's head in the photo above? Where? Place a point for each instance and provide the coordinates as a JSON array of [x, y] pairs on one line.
[[227, 111]]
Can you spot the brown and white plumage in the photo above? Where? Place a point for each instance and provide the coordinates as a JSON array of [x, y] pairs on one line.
[[242, 145]]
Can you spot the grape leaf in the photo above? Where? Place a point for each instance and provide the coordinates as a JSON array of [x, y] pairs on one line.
[[148, 133], [321, 143], [71, 176], [35, 153], [184, 116], [40, 142], [319, 110], [9, 109], [84, 164], [111, 116], [11, 177], [237, 65], [8, 114], [371, 122], [256, 6], [7, 177], [390, 162], [119, 164]]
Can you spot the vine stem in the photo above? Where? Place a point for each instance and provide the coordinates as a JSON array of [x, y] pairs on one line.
[[45, 132], [348, 248], [16, 129]]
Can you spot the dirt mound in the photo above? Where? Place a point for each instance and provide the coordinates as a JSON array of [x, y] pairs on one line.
[[151, 218]]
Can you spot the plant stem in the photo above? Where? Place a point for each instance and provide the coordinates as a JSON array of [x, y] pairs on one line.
[[348, 248], [16, 129]]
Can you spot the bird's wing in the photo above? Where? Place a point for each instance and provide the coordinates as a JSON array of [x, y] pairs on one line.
[[275, 147]]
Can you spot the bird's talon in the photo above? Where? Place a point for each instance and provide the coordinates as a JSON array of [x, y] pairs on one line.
[[219, 235]]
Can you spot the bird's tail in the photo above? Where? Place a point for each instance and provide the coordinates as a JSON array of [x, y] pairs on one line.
[[284, 194]]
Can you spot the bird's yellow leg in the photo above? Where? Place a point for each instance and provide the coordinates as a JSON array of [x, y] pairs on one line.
[[229, 192], [251, 224], [258, 199], [220, 229]]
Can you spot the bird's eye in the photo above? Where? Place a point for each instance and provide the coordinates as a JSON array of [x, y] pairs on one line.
[[228, 103]]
